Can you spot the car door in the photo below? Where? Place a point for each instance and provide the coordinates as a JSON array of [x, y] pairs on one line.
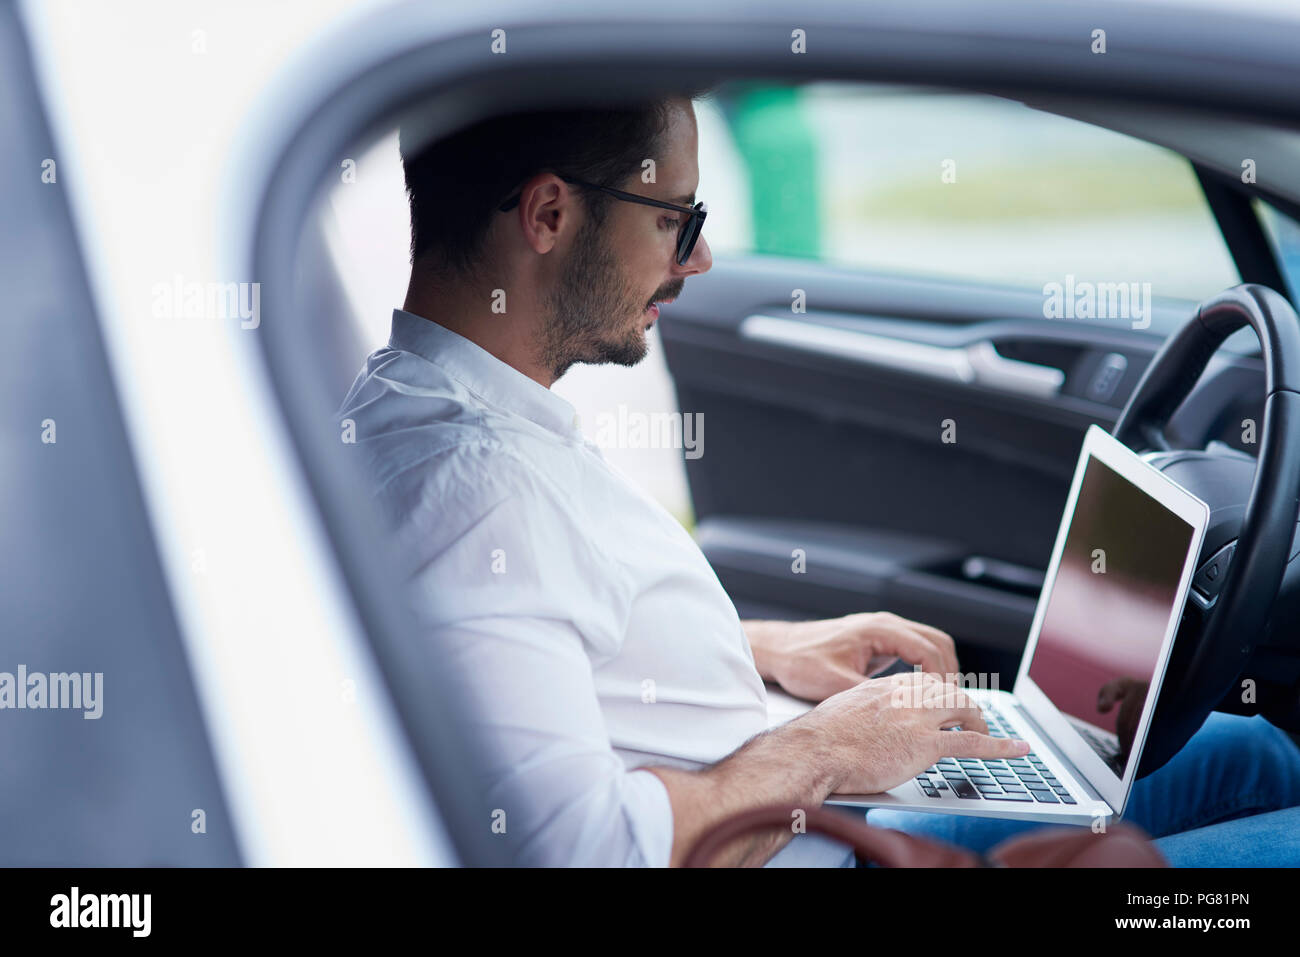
[[107, 759], [895, 395]]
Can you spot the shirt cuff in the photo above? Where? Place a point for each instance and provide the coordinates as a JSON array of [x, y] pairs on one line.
[[650, 816]]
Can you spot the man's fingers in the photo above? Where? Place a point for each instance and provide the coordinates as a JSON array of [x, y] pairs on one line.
[[967, 715], [951, 699], [1109, 693], [879, 663], [916, 643], [846, 674], [901, 639], [920, 678], [971, 744], [941, 640]]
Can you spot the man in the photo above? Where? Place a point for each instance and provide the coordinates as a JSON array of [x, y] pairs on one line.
[[621, 697]]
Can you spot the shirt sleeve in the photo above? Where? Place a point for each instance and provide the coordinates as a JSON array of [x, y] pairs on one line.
[[550, 773], [517, 606]]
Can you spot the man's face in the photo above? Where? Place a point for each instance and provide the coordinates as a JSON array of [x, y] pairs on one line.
[[601, 308]]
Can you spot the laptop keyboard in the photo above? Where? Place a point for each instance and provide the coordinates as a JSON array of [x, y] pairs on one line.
[[1025, 780]]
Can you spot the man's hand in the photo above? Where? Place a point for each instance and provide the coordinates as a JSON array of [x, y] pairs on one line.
[[870, 738], [885, 731], [816, 659]]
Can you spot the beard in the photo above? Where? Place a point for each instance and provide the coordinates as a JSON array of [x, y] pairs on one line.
[[593, 315]]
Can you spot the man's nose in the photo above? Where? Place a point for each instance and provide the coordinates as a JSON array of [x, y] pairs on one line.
[[701, 260]]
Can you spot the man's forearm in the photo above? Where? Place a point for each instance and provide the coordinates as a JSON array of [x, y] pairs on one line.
[[787, 765]]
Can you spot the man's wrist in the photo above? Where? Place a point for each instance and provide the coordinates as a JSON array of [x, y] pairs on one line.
[[766, 642]]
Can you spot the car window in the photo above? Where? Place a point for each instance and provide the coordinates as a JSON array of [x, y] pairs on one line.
[[960, 186], [105, 756], [1283, 234], [936, 185]]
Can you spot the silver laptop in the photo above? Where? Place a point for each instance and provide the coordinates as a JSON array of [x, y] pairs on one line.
[[1097, 652]]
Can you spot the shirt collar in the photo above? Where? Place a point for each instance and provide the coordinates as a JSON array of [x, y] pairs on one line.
[[482, 373]]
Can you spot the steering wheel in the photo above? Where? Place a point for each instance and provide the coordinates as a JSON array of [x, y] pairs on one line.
[[1225, 619]]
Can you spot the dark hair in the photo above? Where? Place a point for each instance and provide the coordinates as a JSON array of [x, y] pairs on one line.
[[455, 184]]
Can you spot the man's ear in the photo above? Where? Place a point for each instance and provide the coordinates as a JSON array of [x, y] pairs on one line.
[[545, 210]]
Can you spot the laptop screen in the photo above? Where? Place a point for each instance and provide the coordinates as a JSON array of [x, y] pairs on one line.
[[1109, 610]]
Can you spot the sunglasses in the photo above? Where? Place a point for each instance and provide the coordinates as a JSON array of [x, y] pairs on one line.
[[688, 230]]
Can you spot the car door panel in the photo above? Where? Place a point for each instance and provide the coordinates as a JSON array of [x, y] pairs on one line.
[[831, 422]]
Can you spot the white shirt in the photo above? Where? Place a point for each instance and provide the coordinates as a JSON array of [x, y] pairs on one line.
[[598, 637]]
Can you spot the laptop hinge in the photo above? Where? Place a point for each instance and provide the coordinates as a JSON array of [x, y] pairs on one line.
[[1078, 776]]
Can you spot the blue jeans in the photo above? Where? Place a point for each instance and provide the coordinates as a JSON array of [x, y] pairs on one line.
[[1227, 799]]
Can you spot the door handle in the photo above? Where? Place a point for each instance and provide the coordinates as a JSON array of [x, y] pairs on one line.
[[996, 371], [978, 363]]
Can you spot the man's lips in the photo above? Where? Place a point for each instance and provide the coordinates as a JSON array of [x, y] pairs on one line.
[[652, 310]]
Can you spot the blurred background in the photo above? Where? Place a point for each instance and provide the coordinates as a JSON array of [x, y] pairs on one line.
[[895, 180], [841, 173]]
